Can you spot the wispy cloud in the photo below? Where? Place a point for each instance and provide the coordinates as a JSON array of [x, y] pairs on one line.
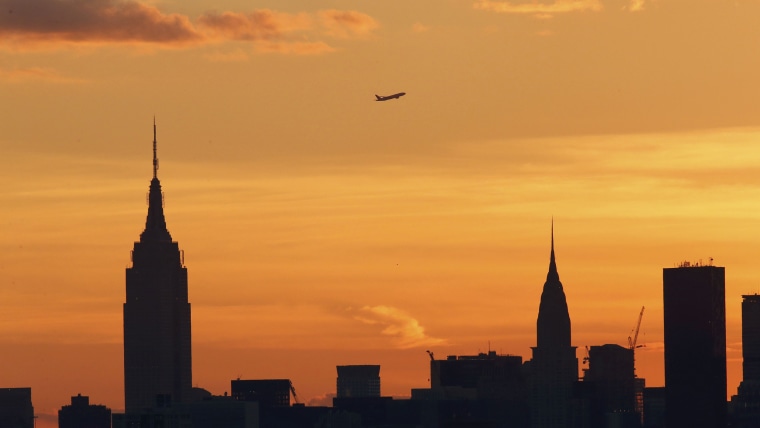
[[299, 48], [60, 22], [406, 330], [419, 27], [346, 23], [636, 5], [268, 30], [236, 55], [272, 31], [34, 74], [537, 8], [258, 25]]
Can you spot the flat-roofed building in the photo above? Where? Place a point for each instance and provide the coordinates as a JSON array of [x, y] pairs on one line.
[[358, 381]]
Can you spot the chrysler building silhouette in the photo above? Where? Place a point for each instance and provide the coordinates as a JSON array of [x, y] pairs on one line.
[[157, 353], [554, 367]]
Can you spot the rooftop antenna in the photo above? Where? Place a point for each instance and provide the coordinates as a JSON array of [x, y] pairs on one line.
[[155, 156]]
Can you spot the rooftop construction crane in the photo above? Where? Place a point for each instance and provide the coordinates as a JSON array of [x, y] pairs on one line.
[[632, 342]]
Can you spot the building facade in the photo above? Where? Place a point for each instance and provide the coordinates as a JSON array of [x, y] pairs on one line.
[[695, 346], [268, 392], [81, 414], [16, 410], [482, 376], [553, 370], [613, 391], [157, 344], [358, 381]]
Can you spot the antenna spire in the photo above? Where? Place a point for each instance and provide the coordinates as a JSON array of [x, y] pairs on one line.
[[552, 263], [155, 156], [552, 237]]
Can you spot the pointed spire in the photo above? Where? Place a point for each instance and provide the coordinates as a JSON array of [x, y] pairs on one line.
[[155, 224], [155, 151], [553, 274], [553, 316]]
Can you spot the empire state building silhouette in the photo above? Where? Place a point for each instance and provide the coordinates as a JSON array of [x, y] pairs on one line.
[[157, 349]]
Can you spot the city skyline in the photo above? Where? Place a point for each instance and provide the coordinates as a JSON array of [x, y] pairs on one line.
[[322, 228]]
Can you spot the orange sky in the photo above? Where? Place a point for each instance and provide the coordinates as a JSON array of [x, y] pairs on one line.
[[323, 228]]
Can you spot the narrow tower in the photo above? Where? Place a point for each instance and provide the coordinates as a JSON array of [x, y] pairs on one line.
[[746, 404], [554, 367], [157, 350]]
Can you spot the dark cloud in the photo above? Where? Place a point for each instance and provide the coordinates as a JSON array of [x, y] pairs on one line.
[[92, 21], [40, 22]]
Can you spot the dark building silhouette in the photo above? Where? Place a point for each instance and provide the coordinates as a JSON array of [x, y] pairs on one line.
[[16, 410], [474, 390], [695, 346], [553, 370], [745, 406], [654, 407], [358, 381], [482, 376], [613, 393], [271, 398], [157, 353], [224, 412], [268, 392], [81, 414], [164, 415]]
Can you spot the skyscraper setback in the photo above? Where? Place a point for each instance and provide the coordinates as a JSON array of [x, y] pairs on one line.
[[157, 344], [695, 346]]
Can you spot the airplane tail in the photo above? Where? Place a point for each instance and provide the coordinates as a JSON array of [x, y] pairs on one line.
[[377, 96]]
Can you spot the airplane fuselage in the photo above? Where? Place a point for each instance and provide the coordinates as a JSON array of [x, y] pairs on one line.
[[389, 97]]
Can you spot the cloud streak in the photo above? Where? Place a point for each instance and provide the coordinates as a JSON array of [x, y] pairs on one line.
[[34, 74], [403, 328], [346, 24], [540, 9], [56, 22], [258, 25]]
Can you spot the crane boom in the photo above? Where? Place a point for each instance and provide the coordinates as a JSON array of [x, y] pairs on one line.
[[632, 343], [293, 391]]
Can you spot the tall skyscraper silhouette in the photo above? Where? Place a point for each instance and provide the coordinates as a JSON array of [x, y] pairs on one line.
[[751, 342], [554, 367], [695, 346], [746, 404], [157, 349]]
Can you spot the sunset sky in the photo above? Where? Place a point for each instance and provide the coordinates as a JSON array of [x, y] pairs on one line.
[[321, 227]]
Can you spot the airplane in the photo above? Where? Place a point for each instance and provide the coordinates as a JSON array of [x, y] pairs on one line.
[[390, 97]]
